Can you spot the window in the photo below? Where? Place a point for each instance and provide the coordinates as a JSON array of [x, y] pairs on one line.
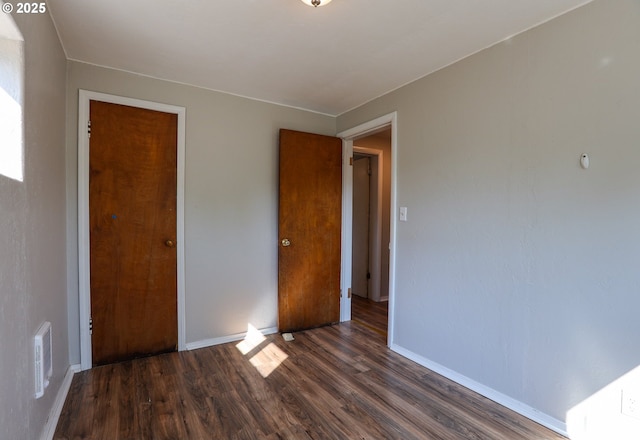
[[11, 99]]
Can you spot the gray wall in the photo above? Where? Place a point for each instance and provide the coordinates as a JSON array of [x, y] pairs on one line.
[[32, 237], [230, 198], [517, 268]]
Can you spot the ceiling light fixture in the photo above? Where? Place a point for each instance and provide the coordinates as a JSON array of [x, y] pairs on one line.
[[316, 3]]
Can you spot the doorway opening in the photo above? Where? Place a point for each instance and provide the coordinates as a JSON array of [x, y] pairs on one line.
[[377, 141], [364, 216], [371, 229]]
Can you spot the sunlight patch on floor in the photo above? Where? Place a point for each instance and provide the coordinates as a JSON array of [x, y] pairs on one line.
[[268, 358], [253, 338]]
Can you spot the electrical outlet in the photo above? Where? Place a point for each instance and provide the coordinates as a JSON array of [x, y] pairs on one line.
[[631, 403]]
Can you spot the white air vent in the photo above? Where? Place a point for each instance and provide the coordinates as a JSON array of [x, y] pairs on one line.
[[43, 357]]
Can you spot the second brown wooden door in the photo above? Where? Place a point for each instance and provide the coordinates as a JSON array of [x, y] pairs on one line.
[[132, 215], [310, 218]]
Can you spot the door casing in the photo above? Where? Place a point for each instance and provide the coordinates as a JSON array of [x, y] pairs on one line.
[[84, 99], [348, 136]]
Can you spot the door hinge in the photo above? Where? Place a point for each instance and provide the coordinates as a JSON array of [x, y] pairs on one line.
[[90, 326], [351, 161], [89, 128], [368, 275], [349, 293]]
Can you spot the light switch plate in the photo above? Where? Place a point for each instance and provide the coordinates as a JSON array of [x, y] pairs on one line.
[[403, 213]]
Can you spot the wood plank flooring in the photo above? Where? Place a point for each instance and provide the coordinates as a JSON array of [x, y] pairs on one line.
[[338, 382], [371, 314]]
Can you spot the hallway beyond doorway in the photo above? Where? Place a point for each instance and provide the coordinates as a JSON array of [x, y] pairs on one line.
[[371, 314]]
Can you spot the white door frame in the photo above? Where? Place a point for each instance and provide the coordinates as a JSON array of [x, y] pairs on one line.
[[348, 136], [83, 213]]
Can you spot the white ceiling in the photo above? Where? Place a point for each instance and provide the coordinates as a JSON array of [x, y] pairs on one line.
[[328, 59]]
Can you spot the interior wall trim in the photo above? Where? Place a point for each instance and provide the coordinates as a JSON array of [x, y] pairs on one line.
[[491, 394]]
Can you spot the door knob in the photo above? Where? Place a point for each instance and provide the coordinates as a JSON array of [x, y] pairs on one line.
[[285, 242], [169, 243]]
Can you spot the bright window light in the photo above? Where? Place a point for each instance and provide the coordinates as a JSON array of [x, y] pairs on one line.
[[11, 95], [11, 154]]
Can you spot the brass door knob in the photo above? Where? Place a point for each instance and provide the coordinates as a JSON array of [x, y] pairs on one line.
[[170, 243], [285, 242]]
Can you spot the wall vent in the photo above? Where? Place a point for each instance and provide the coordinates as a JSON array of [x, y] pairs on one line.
[[43, 358]]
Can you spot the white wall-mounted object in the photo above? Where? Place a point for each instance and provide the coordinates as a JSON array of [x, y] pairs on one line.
[[584, 160], [403, 213], [43, 358]]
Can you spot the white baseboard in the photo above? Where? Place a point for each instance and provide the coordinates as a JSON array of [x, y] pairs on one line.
[[56, 410], [491, 394], [224, 339]]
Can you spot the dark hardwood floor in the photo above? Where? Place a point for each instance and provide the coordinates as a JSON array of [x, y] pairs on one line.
[[338, 382], [371, 314]]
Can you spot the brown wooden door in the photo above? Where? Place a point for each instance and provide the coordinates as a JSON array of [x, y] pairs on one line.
[[132, 215], [310, 218]]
